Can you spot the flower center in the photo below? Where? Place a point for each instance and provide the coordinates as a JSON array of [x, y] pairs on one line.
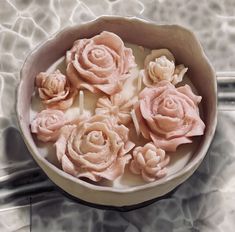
[[98, 53], [150, 154], [51, 120], [161, 69], [55, 84], [114, 110], [170, 103], [96, 137]]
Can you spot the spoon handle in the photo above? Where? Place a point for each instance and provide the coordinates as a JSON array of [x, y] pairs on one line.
[[226, 90]]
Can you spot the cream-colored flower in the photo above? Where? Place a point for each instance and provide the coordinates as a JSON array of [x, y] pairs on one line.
[[159, 65], [161, 69], [117, 107]]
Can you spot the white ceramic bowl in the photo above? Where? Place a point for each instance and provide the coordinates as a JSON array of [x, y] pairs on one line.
[[186, 49]]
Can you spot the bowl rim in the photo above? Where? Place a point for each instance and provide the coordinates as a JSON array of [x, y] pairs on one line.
[[190, 165]]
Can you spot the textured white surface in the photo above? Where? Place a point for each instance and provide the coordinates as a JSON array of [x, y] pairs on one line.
[[203, 203]]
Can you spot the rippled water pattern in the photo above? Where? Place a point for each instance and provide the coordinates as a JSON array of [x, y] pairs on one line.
[[29, 200]]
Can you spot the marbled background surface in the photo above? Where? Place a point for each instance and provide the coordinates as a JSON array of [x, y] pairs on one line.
[[205, 202]]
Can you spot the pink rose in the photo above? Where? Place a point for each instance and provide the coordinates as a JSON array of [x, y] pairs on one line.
[[46, 125], [149, 162], [169, 115], [55, 90], [94, 149], [100, 63]]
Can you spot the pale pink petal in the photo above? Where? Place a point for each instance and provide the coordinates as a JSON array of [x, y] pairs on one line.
[[197, 129], [129, 60], [180, 70], [89, 175], [134, 167], [116, 169], [48, 138], [188, 92], [142, 123], [162, 173], [60, 146], [146, 177], [61, 143], [88, 75], [111, 88], [169, 144], [147, 81], [68, 166], [58, 97], [165, 124], [40, 78], [110, 40], [42, 94], [77, 81]]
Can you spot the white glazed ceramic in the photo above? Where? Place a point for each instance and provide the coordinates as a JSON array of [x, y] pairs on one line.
[[186, 49]]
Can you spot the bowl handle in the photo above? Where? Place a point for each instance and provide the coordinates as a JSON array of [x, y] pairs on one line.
[[226, 90]]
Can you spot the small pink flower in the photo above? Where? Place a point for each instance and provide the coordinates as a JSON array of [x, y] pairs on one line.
[[47, 124], [117, 107], [159, 65], [95, 149], [149, 162], [169, 115], [55, 90], [101, 63]]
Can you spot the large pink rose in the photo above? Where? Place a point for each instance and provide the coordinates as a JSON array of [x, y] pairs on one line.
[[55, 90], [94, 149], [47, 124], [101, 63], [169, 115]]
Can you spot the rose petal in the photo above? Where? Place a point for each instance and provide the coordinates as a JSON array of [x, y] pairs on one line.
[[90, 175], [188, 92], [88, 75], [169, 144], [164, 124], [60, 144], [110, 89], [146, 177], [116, 169], [68, 166], [143, 126], [134, 167], [146, 79]]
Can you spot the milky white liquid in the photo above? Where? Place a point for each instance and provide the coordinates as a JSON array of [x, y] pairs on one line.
[[178, 159]]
